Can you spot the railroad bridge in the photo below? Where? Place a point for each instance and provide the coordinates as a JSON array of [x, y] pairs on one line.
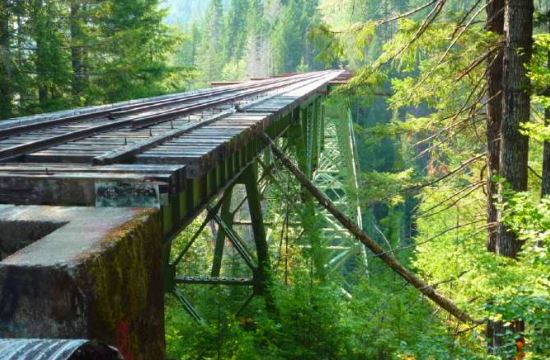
[[92, 199]]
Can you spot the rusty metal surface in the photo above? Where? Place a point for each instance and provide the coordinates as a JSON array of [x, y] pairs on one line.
[[53, 349]]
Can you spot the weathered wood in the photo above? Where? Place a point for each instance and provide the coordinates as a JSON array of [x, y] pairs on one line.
[[213, 141], [46, 142], [125, 152]]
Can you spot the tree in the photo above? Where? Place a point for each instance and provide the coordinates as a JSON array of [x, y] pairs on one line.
[[545, 187], [6, 91], [235, 30], [258, 48], [50, 60], [495, 24], [130, 52], [209, 59], [518, 30], [76, 27]]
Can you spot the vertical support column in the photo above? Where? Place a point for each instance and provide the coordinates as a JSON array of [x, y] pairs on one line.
[[227, 217], [322, 126], [309, 141], [314, 135], [299, 139], [317, 132], [307, 147], [262, 276]]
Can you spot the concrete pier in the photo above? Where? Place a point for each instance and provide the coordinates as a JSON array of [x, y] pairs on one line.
[[82, 272]]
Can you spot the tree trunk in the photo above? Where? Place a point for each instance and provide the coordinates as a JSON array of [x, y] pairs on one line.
[[495, 24], [518, 30], [5, 61], [514, 150], [40, 33], [76, 49], [545, 187]]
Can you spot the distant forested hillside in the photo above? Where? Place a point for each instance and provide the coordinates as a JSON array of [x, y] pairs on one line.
[[248, 38], [182, 12]]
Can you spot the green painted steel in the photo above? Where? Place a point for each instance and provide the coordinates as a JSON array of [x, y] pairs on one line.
[[337, 177], [324, 147]]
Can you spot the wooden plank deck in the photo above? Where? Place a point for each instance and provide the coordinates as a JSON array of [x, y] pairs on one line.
[[186, 147]]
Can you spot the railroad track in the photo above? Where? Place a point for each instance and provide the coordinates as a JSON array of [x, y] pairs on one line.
[[105, 136], [168, 142]]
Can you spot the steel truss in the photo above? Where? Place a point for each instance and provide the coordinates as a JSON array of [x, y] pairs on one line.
[[337, 176], [324, 148], [222, 214]]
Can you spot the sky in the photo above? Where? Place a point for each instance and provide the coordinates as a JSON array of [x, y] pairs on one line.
[[184, 11]]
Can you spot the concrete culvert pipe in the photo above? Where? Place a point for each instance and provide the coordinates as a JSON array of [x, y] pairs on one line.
[[56, 349]]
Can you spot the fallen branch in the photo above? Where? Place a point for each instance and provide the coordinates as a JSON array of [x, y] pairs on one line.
[[352, 227]]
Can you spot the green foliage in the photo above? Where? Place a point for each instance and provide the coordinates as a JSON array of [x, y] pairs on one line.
[[539, 72], [66, 53], [385, 187], [417, 101], [436, 97], [252, 38]]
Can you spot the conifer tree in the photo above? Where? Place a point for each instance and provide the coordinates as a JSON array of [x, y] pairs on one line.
[[212, 40], [258, 47], [518, 30], [133, 45], [50, 58], [236, 30], [495, 24], [6, 91]]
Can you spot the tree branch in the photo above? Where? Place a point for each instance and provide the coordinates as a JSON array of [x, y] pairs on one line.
[[354, 229]]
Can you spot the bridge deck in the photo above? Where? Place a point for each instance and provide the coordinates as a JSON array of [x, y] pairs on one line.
[[172, 152]]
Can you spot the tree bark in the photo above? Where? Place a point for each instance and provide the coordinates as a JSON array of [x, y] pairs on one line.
[[426, 289], [76, 49], [518, 30], [5, 61], [545, 186], [40, 34], [495, 24]]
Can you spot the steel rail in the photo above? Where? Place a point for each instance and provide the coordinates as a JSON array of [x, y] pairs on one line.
[[9, 131], [119, 113], [130, 108], [22, 149], [126, 151], [167, 115]]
